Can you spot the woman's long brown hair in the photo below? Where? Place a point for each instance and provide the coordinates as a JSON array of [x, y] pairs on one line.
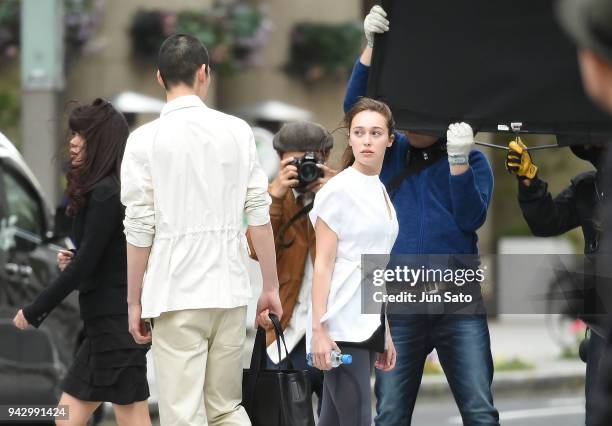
[[105, 132]]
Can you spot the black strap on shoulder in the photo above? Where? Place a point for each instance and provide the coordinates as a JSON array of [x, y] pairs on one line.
[[281, 233], [414, 164]]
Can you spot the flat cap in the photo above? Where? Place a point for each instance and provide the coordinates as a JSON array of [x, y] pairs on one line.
[[303, 136]]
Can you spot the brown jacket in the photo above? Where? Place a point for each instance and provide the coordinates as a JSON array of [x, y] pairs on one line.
[[291, 253]]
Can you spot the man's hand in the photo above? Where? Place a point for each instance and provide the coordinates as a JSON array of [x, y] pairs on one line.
[[137, 325], [287, 178], [20, 320], [386, 361], [327, 175], [268, 303], [375, 23], [518, 160], [459, 143]]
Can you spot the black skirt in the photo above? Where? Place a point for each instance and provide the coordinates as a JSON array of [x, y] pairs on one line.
[[109, 366]]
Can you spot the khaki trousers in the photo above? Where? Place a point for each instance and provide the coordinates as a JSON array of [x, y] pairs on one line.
[[198, 367]]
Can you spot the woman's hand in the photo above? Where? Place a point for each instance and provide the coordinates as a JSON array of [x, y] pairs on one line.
[[64, 257], [321, 347], [20, 320], [386, 361]]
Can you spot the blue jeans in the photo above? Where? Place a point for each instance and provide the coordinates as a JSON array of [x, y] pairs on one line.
[[464, 350], [298, 358]]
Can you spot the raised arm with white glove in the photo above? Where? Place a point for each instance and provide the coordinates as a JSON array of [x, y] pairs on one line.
[[375, 23], [459, 143]]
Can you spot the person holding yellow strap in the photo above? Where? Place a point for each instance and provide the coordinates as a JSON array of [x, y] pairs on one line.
[[519, 161], [577, 205]]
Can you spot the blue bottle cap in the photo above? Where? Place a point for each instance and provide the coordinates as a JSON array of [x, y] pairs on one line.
[[347, 359]]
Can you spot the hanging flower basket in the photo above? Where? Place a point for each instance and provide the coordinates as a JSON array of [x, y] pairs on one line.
[[234, 33], [323, 51], [9, 29], [81, 20]]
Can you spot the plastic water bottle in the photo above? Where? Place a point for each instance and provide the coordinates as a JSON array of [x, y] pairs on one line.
[[336, 359]]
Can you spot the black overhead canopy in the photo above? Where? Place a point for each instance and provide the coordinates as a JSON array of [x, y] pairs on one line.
[[487, 62]]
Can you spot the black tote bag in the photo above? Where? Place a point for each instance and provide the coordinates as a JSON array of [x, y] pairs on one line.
[[275, 397]]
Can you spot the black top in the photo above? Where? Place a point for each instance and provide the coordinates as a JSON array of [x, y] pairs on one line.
[[425, 97], [99, 267], [577, 205], [375, 343]]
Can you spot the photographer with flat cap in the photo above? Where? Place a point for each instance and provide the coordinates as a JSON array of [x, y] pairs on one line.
[[304, 148], [589, 24]]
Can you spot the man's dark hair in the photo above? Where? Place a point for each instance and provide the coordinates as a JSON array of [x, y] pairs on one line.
[[180, 56]]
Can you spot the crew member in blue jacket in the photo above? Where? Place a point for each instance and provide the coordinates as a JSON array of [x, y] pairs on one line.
[[439, 210]]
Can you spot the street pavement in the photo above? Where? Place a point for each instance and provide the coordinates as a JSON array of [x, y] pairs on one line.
[[551, 393], [558, 409], [533, 340]]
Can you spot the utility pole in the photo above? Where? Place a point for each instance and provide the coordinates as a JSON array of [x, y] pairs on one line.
[[42, 84]]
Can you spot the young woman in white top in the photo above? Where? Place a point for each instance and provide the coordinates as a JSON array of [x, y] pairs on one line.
[[352, 215]]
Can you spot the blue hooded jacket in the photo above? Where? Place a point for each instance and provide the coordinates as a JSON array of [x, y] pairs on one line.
[[437, 213]]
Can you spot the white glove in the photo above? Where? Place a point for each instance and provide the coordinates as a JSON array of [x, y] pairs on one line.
[[459, 143], [375, 22]]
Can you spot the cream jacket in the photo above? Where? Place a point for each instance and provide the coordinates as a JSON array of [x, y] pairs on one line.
[[189, 180]]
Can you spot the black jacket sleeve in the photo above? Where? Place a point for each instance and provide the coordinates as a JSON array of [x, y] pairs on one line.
[[546, 216], [102, 215]]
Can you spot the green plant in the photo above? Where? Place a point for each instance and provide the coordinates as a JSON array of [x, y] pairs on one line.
[[432, 367], [10, 102], [234, 33], [569, 352], [81, 19], [512, 364], [10, 109], [320, 51], [9, 28]]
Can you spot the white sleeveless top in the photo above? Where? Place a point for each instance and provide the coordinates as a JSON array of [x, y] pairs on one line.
[[357, 208]]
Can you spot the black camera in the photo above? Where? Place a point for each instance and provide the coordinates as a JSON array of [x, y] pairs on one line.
[[307, 169]]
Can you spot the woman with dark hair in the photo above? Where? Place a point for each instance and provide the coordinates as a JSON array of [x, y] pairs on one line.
[[109, 365], [352, 215]]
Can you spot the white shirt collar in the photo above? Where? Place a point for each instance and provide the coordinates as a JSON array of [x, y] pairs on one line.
[[187, 101]]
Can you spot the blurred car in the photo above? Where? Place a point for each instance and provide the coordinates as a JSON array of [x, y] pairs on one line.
[[33, 361]]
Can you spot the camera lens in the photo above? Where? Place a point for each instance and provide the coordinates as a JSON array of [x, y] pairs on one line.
[[309, 172]]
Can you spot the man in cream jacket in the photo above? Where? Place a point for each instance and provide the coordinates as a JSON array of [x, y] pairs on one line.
[[187, 180]]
